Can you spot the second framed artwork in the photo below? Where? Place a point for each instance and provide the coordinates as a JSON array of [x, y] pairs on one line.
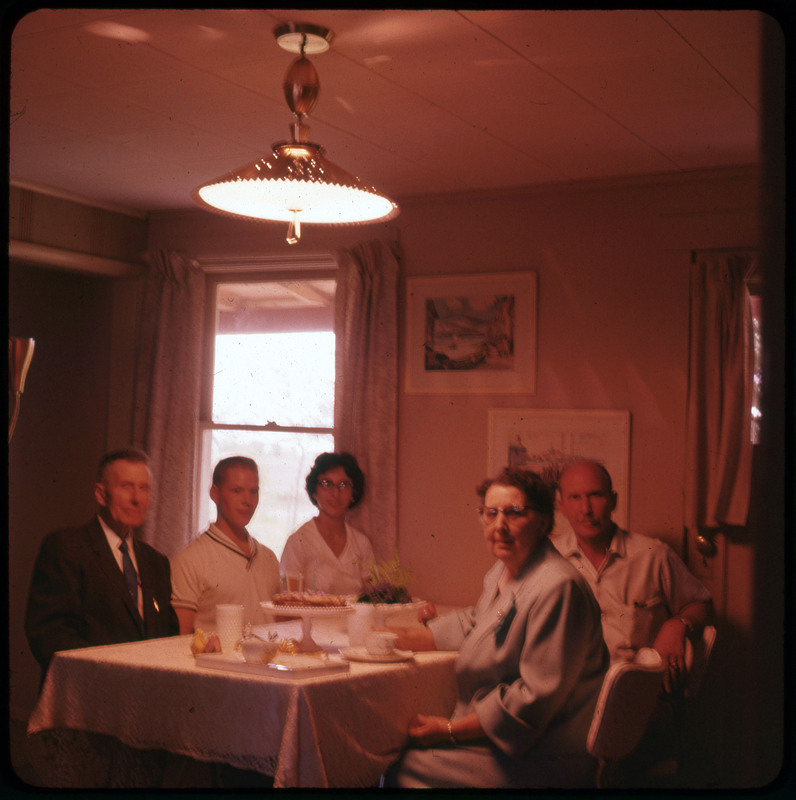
[[471, 333], [546, 440]]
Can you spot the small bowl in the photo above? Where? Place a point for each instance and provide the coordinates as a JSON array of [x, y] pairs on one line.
[[256, 651]]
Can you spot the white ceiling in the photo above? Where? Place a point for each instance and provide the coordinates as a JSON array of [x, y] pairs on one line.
[[135, 108]]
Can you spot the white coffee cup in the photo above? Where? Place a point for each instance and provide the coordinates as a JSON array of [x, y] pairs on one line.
[[229, 625], [381, 643]]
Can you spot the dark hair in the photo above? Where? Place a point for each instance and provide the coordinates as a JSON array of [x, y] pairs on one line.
[[538, 495], [125, 454], [328, 461], [220, 472]]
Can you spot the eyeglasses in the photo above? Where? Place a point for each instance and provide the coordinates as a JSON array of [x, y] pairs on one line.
[[511, 513], [342, 486]]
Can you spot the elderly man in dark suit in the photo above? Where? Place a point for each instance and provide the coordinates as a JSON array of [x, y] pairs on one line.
[[100, 584]]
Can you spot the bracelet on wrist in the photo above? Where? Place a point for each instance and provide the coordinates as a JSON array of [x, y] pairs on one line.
[[453, 739]]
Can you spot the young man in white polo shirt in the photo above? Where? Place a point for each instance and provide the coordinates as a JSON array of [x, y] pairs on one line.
[[225, 564]]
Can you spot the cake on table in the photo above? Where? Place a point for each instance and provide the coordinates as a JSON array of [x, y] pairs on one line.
[[309, 600]]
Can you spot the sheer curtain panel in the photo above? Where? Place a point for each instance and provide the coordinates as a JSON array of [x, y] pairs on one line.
[[721, 367], [168, 379], [366, 382]]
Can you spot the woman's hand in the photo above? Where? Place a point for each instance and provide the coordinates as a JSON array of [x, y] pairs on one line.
[[427, 731], [415, 638], [426, 613]]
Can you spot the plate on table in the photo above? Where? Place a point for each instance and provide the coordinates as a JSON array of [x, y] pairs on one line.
[[361, 654], [284, 666], [307, 611]]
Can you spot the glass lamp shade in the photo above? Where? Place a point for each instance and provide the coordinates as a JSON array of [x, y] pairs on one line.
[[296, 184]]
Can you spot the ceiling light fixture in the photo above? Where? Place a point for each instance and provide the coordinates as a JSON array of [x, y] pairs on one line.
[[297, 184]]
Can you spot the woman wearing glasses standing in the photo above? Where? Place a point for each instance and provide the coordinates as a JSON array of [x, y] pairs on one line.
[[326, 550], [530, 666]]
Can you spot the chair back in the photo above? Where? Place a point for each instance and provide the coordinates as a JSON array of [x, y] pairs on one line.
[[697, 656], [624, 706]]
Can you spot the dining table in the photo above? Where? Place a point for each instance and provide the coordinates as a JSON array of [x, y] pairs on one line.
[[339, 727]]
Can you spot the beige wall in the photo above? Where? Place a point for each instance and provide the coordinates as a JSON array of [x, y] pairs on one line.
[[612, 259], [76, 386], [612, 262], [613, 267]]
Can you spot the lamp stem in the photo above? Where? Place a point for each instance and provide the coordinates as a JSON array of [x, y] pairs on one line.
[[294, 229]]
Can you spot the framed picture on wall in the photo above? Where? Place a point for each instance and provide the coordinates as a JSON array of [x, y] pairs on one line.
[[471, 333], [545, 441]]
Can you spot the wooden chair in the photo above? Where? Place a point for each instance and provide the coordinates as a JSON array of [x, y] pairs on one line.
[[627, 699]]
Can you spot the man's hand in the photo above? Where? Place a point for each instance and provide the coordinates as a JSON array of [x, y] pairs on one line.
[[670, 644]]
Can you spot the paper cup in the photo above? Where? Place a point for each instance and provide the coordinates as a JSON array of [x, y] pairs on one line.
[[360, 623], [229, 625]]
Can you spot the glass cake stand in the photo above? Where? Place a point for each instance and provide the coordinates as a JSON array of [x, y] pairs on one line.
[[307, 614]]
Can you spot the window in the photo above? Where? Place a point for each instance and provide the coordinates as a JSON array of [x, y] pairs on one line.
[[268, 392]]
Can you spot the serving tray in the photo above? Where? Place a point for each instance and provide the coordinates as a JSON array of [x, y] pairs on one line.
[[361, 654], [283, 667]]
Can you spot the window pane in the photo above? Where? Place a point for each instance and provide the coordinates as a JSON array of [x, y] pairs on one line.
[[287, 378], [283, 459]]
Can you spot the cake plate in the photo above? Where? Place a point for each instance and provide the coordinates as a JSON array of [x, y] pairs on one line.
[[307, 614]]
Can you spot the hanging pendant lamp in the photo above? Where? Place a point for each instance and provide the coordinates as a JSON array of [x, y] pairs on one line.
[[297, 183]]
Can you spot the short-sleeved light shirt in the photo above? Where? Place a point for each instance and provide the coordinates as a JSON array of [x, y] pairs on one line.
[[640, 585], [213, 569], [306, 551]]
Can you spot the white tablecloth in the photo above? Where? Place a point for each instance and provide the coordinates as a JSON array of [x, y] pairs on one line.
[[339, 730]]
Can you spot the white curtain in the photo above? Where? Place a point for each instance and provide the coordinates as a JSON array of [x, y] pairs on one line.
[[167, 390], [366, 382], [721, 367]]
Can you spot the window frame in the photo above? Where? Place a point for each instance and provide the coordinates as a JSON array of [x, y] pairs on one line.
[[206, 425]]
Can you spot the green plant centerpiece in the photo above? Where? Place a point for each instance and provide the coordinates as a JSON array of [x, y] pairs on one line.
[[387, 582]]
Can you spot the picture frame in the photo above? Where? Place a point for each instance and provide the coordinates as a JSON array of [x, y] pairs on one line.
[[546, 440], [471, 334]]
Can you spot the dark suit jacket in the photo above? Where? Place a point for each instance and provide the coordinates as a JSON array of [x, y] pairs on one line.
[[78, 596]]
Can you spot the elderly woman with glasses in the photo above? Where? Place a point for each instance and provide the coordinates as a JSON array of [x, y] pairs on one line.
[[326, 550], [530, 666]]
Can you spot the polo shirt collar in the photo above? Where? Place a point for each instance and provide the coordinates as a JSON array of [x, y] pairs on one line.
[[222, 538]]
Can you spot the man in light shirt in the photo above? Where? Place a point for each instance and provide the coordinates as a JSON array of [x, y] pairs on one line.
[[100, 584], [647, 595], [225, 564]]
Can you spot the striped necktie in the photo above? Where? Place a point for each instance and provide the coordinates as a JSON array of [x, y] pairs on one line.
[[130, 575]]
